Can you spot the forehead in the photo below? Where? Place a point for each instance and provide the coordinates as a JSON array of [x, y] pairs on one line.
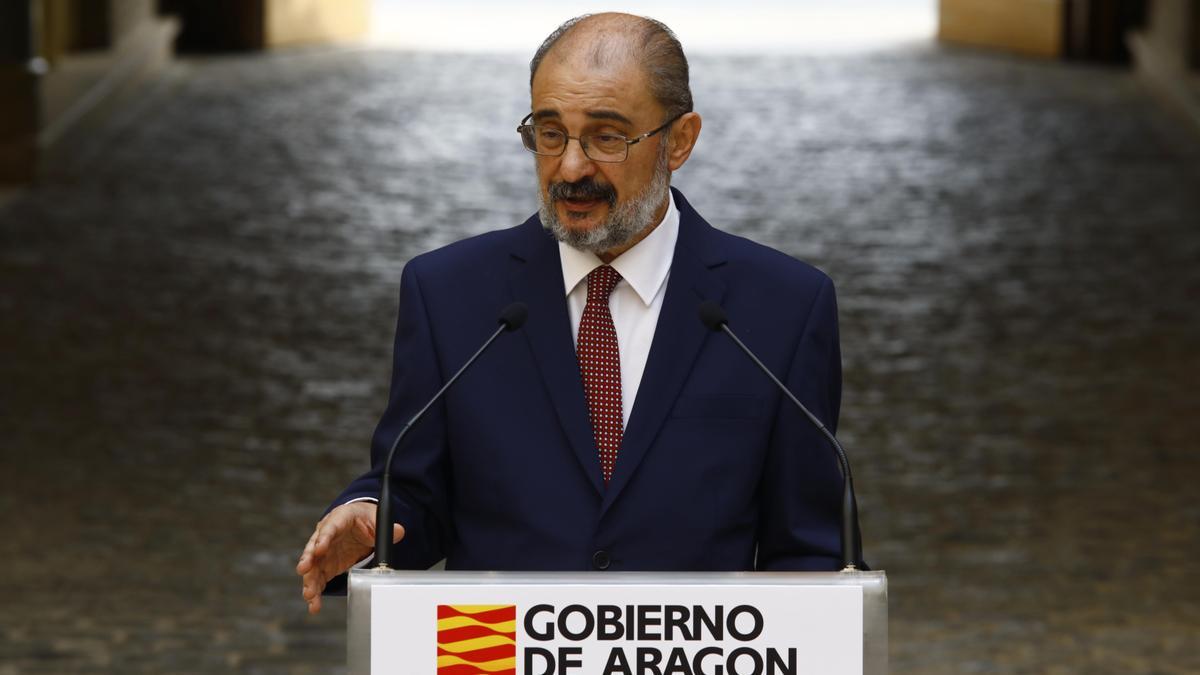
[[572, 87]]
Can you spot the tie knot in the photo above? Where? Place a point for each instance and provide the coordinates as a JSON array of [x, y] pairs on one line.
[[601, 282]]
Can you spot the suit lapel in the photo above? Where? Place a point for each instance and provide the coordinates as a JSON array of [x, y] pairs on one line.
[[678, 338], [538, 283]]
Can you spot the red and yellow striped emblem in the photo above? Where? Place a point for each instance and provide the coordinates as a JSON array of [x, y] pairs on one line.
[[475, 639]]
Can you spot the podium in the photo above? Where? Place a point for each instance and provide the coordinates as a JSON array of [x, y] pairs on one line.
[[603, 623]]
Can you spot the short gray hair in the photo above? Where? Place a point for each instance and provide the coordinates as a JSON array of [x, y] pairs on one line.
[[661, 55]]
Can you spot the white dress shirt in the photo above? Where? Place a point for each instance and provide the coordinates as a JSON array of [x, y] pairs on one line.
[[636, 301]]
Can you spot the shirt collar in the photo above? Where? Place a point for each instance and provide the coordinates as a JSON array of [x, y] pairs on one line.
[[644, 267]]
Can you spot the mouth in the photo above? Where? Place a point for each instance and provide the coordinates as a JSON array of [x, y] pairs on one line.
[[581, 198], [580, 205]]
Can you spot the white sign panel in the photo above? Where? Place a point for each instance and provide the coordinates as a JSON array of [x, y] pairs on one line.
[[616, 630]]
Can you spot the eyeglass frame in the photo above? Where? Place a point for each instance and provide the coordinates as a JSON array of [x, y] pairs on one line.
[[583, 146]]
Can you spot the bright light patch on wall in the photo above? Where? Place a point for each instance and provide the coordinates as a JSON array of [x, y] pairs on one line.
[[795, 26]]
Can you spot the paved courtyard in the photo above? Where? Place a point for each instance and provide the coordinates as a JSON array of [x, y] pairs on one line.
[[196, 307]]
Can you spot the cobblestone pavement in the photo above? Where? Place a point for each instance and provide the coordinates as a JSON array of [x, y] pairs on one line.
[[197, 305]]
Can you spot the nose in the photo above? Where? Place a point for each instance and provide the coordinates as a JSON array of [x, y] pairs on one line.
[[574, 164]]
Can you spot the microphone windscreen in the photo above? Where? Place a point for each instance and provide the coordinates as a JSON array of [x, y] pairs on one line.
[[712, 315], [513, 316]]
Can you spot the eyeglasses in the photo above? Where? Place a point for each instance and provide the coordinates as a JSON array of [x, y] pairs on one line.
[[602, 147]]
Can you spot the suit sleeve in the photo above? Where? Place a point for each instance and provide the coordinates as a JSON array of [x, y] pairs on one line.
[[419, 470], [799, 524]]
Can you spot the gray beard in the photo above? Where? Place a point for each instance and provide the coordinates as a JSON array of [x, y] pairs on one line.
[[624, 221]]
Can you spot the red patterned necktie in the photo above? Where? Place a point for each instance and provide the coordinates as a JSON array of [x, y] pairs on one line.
[[600, 364]]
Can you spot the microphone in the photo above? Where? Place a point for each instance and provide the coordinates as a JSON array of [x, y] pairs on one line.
[[713, 316], [511, 318]]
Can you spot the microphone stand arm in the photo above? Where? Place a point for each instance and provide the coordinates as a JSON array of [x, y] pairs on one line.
[[850, 552], [383, 509]]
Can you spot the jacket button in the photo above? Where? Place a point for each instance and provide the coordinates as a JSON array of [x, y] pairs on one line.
[[601, 560]]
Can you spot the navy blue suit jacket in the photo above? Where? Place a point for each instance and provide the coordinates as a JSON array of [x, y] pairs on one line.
[[714, 472]]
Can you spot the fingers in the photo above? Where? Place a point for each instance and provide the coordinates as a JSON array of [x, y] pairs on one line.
[[309, 565], [336, 522], [311, 593], [343, 536], [327, 529], [306, 556], [312, 585], [314, 582], [397, 533], [323, 536], [305, 562]]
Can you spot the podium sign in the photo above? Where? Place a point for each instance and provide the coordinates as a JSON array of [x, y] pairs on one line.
[[633, 623]]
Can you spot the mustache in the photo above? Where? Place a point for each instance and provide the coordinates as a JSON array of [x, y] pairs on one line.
[[583, 190]]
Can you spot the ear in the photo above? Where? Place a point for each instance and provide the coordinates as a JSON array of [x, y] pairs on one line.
[[683, 136]]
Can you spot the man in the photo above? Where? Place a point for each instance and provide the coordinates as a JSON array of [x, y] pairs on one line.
[[613, 431]]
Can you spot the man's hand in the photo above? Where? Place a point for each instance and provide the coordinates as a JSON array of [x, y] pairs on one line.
[[344, 536]]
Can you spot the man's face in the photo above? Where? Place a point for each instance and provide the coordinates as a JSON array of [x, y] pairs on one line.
[[592, 205]]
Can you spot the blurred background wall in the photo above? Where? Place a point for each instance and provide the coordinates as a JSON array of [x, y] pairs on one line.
[[60, 60]]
